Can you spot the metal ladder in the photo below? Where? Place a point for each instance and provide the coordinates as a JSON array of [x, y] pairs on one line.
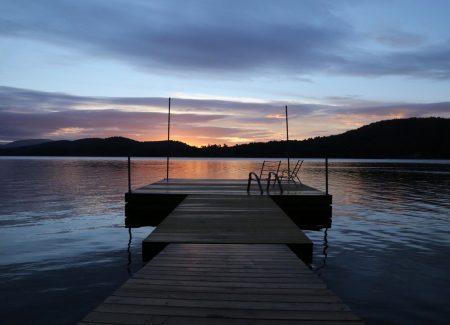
[[252, 176]]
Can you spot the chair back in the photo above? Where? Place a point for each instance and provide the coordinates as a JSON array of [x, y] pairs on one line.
[[296, 168], [269, 166]]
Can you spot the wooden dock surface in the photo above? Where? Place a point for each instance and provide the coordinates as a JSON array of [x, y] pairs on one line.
[[223, 284], [222, 187], [228, 219]]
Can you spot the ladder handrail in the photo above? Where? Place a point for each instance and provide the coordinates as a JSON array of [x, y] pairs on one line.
[[269, 179], [250, 178]]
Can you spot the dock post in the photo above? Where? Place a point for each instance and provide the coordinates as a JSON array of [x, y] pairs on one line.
[[326, 175], [129, 175], [168, 144], [287, 144]]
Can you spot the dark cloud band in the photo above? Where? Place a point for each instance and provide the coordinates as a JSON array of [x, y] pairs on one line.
[[293, 38]]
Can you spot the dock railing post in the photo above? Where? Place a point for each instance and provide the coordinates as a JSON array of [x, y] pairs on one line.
[[168, 144], [287, 144], [326, 175], [129, 175]]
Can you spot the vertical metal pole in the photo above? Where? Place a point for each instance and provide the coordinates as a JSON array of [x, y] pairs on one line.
[[287, 143], [168, 144], [129, 175], [326, 175]]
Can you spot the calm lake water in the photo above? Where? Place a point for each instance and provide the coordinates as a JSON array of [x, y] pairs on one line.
[[64, 247]]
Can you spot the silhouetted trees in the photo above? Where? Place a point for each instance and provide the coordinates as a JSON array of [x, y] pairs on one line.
[[400, 138]]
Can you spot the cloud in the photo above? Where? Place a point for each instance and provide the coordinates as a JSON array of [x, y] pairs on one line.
[[211, 36], [406, 110], [221, 38], [426, 62], [397, 38], [35, 114], [28, 114]]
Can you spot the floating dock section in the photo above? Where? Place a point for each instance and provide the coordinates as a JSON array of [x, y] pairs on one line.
[[308, 207]]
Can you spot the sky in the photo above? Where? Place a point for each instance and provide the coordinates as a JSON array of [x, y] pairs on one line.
[[99, 68]]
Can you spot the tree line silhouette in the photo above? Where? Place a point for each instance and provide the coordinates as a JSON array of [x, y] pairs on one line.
[[399, 138]]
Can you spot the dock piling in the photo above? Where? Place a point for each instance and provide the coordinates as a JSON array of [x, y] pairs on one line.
[[129, 174], [326, 175]]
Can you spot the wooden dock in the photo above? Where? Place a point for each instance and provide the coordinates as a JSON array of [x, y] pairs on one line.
[[220, 255], [223, 284]]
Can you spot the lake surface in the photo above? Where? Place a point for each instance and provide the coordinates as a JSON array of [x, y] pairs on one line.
[[64, 247]]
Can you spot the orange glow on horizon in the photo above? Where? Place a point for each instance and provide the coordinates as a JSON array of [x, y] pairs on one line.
[[230, 131], [192, 141], [198, 141]]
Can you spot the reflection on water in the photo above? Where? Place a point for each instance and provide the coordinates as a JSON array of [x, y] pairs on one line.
[[62, 237], [324, 256], [389, 245], [64, 245], [130, 238]]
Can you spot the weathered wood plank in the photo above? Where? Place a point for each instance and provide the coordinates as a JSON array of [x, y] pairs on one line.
[[227, 290], [229, 304], [227, 312], [137, 319], [219, 272], [228, 268], [227, 277], [302, 296], [238, 284]]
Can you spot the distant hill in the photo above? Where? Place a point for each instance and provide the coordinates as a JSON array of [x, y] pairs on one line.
[[399, 138], [24, 143], [114, 146]]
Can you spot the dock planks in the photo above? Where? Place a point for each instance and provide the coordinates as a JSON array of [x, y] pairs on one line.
[[222, 187], [223, 284], [228, 219]]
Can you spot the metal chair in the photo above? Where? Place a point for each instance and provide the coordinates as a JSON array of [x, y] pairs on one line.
[[292, 175], [269, 166]]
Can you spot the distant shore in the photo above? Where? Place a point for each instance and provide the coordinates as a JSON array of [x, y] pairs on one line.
[[413, 138]]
